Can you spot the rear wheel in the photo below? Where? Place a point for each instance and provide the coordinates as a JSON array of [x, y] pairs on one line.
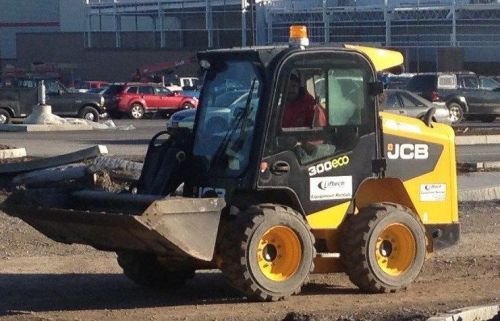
[[456, 112], [4, 116], [89, 113], [268, 252], [147, 270], [187, 106], [136, 111], [384, 248]]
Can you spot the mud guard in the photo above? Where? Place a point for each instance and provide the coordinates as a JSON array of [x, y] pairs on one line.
[[148, 223]]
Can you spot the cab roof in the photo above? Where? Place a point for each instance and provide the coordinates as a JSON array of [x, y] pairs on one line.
[[382, 59]]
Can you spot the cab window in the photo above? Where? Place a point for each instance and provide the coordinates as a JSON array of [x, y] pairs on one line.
[[323, 105]]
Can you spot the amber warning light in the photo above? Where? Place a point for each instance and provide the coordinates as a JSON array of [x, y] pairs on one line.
[[298, 36]]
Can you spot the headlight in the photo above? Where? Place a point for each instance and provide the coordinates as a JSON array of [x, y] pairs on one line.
[[102, 100]]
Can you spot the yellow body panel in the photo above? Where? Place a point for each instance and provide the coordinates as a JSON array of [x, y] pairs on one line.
[[325, 224], [444, 211], [329, 218], [382, 59]]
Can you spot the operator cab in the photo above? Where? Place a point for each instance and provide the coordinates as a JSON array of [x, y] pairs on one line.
[[244, 137]]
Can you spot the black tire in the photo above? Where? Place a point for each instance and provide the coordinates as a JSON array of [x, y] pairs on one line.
[[456, 112], [89, 113], [488, 118], [146, 270], [383, 231], [4, 116], [136, 111], [248, 264], [187, 106]]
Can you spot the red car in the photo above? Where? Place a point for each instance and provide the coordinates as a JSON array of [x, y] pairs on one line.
[[138, 99]]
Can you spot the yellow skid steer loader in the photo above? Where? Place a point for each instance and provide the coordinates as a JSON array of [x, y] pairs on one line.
[[290, 169]]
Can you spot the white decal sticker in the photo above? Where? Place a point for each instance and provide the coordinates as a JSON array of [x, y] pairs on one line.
[[432, 192], [407, 151], [330, 188], [395, 125]]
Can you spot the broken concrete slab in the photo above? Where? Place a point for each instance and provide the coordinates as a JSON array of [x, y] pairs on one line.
[[53, 175], [78, 156], [475, 313], [123, 168], [12, 153]]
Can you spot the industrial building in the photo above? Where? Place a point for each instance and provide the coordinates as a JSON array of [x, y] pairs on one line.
[[108, 39]]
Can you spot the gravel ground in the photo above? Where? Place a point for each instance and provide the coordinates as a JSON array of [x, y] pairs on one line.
[[44, 280]]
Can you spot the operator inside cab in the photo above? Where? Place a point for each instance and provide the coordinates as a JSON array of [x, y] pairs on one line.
[[321, 102]]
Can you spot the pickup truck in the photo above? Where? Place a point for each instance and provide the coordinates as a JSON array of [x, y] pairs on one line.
[[18, 100], [461, 92]]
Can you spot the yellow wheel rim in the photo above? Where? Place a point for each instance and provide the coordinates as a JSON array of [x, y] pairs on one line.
[[279, 253], [395, 249]]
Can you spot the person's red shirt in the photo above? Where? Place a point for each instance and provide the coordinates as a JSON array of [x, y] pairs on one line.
[[299, 113]]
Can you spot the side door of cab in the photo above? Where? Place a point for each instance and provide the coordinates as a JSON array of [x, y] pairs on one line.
[[322, 163]]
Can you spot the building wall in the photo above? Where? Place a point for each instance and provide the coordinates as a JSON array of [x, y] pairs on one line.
[[94, 64], [25, 16], [72, 15]]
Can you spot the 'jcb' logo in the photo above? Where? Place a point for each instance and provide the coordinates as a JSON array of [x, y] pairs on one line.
[[407, 151]]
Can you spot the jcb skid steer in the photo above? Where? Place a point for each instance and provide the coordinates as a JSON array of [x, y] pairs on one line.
[[273, 189]]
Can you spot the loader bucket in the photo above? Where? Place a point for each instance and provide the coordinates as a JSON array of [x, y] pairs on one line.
[[114, 222]]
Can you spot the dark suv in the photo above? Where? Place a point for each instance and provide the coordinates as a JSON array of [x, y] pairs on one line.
[[137, 99], [18, 99], [460, 92]]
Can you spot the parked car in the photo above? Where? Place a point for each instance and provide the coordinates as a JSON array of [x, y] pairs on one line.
[[99, 91], [397, 81], [183, 118], [460, 92], [18, 99], [403, 102], [138, 99], [87, 86], [223, 110], [183, 83], [488, 82]]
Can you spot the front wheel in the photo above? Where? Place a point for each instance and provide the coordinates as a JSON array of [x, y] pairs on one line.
[[384, 247], [89, 113], [136, 111], [267, 252], [456, 112], [147, 270]]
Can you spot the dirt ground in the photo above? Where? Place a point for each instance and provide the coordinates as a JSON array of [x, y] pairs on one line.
[[44, 280]]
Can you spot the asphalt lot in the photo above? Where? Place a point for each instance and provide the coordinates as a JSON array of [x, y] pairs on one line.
[[125, 143], [133, 143]]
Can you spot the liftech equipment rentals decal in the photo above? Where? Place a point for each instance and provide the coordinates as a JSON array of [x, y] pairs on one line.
[[432, 192], [330, 188]]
